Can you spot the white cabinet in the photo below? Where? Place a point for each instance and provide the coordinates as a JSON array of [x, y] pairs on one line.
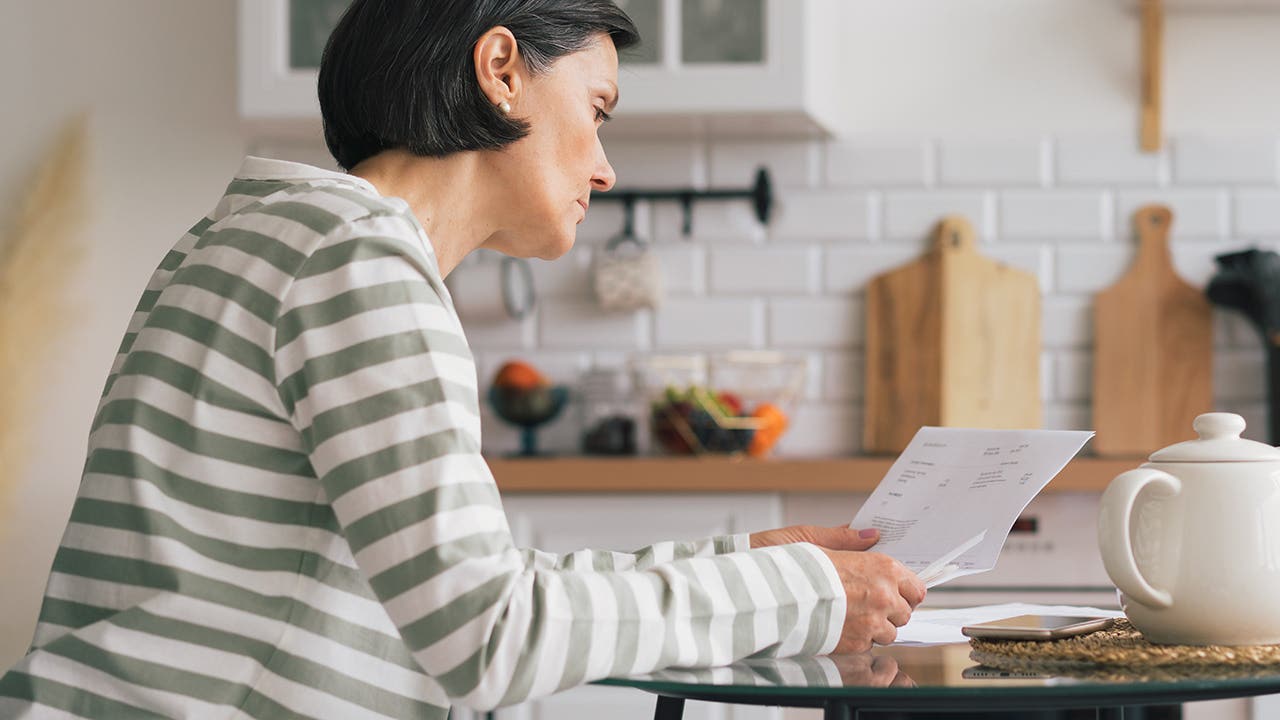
[[755, 67], [733, 66], [564, 523], [280, 42]]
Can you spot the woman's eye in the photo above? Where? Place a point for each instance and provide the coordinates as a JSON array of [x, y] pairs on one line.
[[602, 116]]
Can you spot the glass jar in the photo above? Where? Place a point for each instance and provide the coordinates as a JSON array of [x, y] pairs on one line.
[[610, 412]]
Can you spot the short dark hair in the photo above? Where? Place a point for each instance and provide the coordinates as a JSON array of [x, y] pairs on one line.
[[400, 73]]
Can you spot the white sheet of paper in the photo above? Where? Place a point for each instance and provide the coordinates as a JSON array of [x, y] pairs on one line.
[[931, 627], [952, 485]]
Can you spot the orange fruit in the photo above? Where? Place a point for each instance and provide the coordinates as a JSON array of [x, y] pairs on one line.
[[518, 375], [773, 422]]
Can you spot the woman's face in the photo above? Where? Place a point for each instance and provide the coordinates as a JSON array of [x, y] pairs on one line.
[[551, 172]]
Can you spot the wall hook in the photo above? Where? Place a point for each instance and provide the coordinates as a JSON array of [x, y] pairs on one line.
[[760, 194]]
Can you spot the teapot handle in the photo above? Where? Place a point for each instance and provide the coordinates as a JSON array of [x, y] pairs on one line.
[[1113, 533]]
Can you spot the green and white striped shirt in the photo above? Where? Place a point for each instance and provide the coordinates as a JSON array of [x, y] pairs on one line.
[[285, 514]]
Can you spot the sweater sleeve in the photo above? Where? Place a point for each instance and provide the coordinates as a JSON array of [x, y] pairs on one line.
[[641, 559], [375, 374]]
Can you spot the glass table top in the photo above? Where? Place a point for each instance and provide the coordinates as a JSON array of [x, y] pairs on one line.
[[935, 676]]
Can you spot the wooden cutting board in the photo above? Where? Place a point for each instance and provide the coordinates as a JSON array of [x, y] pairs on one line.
[[953, 339], [1153, 349]]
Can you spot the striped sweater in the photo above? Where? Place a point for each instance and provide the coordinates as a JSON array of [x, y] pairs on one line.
[[284, 511]]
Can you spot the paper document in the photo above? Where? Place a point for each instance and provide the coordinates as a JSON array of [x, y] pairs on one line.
[[948, 502]]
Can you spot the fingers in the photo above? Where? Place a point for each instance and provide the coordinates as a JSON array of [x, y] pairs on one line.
[[844, 538], [899, 615], [912, 589], [885, 635]]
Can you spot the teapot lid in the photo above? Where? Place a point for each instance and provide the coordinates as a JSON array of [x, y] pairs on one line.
[[1219, 441]]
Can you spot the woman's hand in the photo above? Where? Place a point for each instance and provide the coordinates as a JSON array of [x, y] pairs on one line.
[[832, 538], [881, 593]]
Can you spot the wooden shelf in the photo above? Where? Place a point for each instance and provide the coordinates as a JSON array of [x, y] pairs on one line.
[[719, 474]]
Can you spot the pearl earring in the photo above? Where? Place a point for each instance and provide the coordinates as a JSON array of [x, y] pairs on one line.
[[505, 107]]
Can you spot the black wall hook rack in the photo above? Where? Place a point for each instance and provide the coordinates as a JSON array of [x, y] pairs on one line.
[[761, 195]]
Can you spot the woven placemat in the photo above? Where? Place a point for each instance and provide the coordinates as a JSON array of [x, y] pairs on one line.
[[1121, 652]]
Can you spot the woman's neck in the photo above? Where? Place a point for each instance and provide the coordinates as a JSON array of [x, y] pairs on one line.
[[458, 210]]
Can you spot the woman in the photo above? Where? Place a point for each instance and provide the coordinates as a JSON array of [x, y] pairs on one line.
[[284, 511]]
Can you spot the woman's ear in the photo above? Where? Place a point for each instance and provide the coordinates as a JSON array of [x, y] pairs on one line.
[[499, 67]]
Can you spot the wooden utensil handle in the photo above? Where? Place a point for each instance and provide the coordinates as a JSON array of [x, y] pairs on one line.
[[1152, 56]]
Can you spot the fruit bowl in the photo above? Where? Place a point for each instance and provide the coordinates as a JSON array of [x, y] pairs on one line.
[[728, 404], [525, 398]]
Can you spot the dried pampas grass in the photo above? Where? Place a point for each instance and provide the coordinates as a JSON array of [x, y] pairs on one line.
[[37, 261]]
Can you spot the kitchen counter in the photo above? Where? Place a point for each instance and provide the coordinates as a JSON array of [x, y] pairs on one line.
[[725, 474]]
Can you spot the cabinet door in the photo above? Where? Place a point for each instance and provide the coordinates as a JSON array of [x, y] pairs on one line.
[[716, 56], [564, 523], [280, 42]]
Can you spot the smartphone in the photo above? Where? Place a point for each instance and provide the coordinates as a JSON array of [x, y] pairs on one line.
[[979, 672], [1036, 627]]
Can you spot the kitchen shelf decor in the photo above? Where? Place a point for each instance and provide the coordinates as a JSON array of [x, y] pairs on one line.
[[760, 194], [953, 340]]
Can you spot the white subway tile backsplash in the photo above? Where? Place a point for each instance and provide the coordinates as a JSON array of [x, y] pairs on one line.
[[670, 164], [1257, 213], [1088, 268], [813, 375], [822, 430], [1108, 160], [913, 214], [848, 209], [704, 324], [1054, 215], [816, 322], [782, 270], [565, 324], [882, 162], [1193, 261], [1239, 374], [1197, 214], [568, 276], [1074, 376], [790, 163], [1066, 321], [993, 161], [843, 375], [809, 215], [1235, 160], [848, 269], [683, 265]]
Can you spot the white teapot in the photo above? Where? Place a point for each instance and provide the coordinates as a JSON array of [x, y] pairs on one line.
[[1192, 539]]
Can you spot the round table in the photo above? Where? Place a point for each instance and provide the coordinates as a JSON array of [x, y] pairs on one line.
[[939, 678]]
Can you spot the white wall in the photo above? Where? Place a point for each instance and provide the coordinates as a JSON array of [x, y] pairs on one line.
[[159, 76], [987, 66]]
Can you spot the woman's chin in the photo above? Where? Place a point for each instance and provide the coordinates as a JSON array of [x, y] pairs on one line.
[[557, 246]]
